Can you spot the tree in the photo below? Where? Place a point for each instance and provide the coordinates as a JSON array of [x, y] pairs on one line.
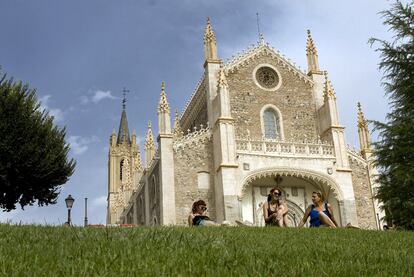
[[33, 152], [394, 150]]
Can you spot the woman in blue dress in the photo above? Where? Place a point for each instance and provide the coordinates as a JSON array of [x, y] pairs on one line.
[[320, 213]]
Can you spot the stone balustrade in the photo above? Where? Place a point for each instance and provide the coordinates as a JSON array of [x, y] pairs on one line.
[[284, 148]]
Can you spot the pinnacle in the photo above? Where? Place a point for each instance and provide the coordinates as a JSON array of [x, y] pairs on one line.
[[208, 33], [163, 106], [362, 123], [177, 131], [329, 91], [310, 46], [149, 140]]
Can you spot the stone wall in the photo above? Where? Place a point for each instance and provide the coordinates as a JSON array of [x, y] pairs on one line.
[[294, 99], [191, 161], [363, 195]]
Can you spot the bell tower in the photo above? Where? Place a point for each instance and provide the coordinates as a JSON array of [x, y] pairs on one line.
[[124, 167]]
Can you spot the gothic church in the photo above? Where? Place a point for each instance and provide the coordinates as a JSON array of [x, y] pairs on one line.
[[253, 123]]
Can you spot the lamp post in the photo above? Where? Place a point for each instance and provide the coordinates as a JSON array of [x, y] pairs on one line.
[[86, 212], [69, 203]]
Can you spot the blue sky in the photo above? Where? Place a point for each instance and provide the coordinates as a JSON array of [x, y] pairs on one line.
[[80, 54]]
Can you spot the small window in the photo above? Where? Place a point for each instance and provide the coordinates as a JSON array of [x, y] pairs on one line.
[[121, 168], [271, 124]]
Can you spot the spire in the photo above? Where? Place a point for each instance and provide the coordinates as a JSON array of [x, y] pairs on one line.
[[163, 106], [177, 131], [328, 92], [362, 123], [123, 133], [164, 120], [363, 132], [210, 47], [149, 139], [312, 55], [149, 147]]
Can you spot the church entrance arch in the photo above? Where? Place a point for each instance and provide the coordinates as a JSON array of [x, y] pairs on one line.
[[297, 186]]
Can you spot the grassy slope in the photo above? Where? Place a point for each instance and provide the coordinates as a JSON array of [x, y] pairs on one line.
[[223, 251]]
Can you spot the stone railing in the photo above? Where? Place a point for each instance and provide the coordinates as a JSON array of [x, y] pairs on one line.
[[285, 148]]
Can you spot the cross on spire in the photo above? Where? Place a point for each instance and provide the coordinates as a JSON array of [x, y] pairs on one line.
[[124, 92], [261, 38]]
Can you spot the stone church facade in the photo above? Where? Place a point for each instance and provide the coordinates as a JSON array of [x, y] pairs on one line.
[[251, 124]]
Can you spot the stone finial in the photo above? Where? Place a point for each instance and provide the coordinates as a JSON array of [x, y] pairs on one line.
[[210, 47], [177, 131], [149, 139], [310, 45], [362, 122], [311, 54], [328, 92], [163, 106], [222, 81]]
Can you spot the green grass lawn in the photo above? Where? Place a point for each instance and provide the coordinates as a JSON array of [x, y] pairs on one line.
[[220, 251]]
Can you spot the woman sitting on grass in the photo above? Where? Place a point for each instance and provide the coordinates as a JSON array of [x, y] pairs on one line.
[[274, 210], [320, 212], [198, 215]]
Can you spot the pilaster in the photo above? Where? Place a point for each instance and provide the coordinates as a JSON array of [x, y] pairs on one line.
[[166, 162]]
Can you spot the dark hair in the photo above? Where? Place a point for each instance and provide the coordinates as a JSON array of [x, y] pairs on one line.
[[269, 196], [196, 204]]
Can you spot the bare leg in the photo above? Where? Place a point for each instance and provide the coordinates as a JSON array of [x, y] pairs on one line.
[[279, 218], [210, 223], [326, 220], [285, 220]]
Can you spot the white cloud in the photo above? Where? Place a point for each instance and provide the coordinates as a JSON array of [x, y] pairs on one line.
[[96, 96], [56, 113], [79, 145], [100, 95]]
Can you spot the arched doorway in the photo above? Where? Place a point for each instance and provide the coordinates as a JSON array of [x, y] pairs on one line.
[[297, 187]]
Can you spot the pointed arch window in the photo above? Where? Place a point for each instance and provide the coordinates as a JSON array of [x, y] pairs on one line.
[[271, 124], [121, 168]]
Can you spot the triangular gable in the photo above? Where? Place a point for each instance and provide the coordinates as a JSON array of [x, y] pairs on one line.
[[251, 53]]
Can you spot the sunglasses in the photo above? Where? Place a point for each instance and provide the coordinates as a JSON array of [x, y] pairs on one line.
[[204, 208], [277, 193]]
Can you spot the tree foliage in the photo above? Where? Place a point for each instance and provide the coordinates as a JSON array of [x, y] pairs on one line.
[[33, 152], [394, 150]]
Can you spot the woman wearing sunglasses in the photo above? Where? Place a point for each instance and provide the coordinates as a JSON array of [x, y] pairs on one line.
[[198, 215], [274, 210]]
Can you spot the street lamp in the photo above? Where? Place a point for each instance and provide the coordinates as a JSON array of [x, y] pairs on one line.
[[86, 213], [69, 203]]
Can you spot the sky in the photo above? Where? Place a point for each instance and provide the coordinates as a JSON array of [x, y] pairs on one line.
[[79, 55]]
